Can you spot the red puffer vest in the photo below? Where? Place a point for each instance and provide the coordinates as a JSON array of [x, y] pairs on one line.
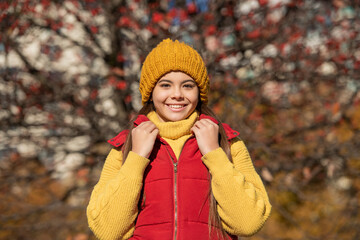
[[175, 200]]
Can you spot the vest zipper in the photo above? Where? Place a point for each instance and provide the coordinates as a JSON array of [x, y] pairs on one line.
[[175, 164], [175, 199]]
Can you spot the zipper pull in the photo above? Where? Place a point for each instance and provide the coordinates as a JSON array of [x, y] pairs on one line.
[[175, 167]]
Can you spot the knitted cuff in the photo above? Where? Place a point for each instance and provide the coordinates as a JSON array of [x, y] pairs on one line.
[[135, 166], [217, 162]]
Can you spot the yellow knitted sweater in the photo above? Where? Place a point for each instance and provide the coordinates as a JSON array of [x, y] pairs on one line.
[[243, 204]]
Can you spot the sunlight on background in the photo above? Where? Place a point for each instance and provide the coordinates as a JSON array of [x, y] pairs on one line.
[[284, 73]]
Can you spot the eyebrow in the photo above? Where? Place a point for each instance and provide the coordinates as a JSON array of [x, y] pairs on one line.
[[182, 82]]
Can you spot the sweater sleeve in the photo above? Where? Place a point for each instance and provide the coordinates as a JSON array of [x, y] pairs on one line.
[[112, 208], [243, 204]]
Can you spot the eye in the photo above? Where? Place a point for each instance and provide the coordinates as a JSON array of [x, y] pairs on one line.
[[164, 85], [189, 85]]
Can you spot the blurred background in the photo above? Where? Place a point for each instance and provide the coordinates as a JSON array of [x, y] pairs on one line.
[[284, 73]]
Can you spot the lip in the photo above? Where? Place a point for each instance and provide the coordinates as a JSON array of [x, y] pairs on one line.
[[177, 108]]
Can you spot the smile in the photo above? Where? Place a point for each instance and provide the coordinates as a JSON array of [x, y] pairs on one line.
[[175, 106]]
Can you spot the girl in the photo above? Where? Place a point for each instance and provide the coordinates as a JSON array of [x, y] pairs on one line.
[[177, 173]]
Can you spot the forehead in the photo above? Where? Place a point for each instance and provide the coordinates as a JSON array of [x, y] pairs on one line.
[[176, 76]]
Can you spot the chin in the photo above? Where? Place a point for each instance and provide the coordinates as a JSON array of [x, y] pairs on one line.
[[176, 118]]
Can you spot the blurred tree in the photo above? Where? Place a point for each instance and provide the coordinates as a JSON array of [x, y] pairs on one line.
[[283, 72]]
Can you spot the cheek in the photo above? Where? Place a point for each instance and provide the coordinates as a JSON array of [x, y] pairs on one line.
[[158, 96], [197, 95], [194, 97]]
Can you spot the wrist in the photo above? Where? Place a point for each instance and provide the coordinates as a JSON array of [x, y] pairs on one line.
[[217, 162], [210, 149], [141, 153]]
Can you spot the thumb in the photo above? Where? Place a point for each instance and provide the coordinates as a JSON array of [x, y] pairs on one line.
[[155, 132]]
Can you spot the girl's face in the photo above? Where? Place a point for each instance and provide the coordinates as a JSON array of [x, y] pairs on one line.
[[175, 96]]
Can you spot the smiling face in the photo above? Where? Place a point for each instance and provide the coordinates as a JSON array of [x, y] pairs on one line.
[[175, 96]]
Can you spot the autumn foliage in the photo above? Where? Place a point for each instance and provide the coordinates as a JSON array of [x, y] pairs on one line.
[[284, 73]]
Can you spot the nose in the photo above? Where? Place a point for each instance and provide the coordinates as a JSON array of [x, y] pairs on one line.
[[177, 93]]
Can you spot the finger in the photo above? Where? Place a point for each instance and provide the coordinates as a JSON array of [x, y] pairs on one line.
[[200, 124], [146, 126], [195, 125], [209, 122], [150, 126], [195, 129], [210, 125], [155, 132]]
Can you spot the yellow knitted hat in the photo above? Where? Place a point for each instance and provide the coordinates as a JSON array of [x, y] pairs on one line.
[[170, 56]]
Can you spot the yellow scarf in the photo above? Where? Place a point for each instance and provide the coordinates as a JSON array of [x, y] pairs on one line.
[[174, 133]]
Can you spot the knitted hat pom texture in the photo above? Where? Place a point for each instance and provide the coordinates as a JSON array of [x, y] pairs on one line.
[[170, 56]]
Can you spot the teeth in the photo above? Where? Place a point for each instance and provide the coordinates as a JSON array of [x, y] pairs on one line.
[[176, 106]]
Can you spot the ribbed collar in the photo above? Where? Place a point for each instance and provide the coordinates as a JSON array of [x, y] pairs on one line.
[[121, 137], [173, 130]]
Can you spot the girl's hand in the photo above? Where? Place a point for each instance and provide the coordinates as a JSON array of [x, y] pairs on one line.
[[143, 138], [207, 135]]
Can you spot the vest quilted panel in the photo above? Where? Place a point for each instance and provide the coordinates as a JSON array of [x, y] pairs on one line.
[[158, 218]]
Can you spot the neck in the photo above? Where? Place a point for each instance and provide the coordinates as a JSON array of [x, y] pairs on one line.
[[173, 130]]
